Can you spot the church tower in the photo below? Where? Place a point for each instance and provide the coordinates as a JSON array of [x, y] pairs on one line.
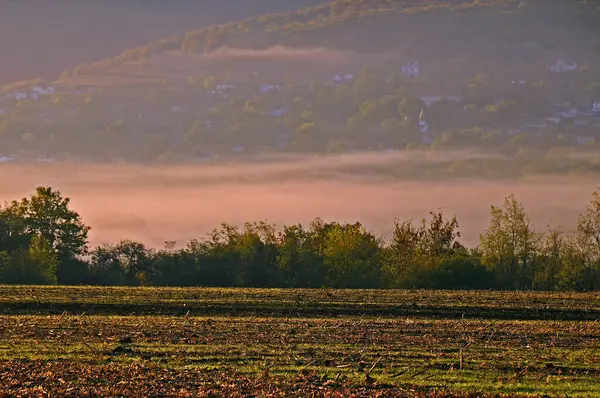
[[423, 127]]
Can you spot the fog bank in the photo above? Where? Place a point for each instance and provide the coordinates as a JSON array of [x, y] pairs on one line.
[[159, 203]]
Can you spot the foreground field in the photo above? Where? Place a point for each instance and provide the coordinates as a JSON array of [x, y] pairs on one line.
[[241, 342]]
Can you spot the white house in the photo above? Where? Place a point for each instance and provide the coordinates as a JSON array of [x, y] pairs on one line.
[[554, 120], [43, 91], [223, 87], [342, 78], [20, 96], [411, 69], [265, 88], [561, 66], [596, 107], [568, 114]]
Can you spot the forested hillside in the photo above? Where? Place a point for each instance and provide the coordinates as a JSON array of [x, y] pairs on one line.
[[511, 76], [505, 31], [41, 38]]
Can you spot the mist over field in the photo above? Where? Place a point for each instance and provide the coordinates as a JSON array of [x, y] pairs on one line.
[[155, 204], [162, 87]]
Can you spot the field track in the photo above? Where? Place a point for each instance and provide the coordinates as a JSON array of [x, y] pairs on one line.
[[74, 341]]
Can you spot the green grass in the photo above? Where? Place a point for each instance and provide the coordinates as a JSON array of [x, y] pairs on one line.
[[296, 353], [299, 302]]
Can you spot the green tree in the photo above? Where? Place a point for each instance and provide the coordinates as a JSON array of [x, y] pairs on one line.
[[410, 107], [443, 114], [36, 264], [415, 251], [210, 83], [352, 256], [154, 145], [582, 264], [47, 215], [510, 245], [126, 263], [304, 137], [173, 267], [300, 260], [365, 84], [551, 260], [197, 136], [456, 273], [216, 257], [479, 89], [258, 251]]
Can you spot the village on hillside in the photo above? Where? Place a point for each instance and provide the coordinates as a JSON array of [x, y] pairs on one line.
[[199, 117]]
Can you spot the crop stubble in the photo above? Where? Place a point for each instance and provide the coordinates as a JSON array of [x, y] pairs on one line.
[[109, 343]]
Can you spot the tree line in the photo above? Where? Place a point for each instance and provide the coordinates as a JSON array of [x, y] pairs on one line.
[[44, 241]]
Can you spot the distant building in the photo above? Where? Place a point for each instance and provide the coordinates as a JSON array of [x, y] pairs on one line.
[[338, 79], [411, 69], [43, 90], [568, 114], [278, 112], [223, 87], [533, 124], [554, 120], [596, 107], [561, 66], [265, 88]]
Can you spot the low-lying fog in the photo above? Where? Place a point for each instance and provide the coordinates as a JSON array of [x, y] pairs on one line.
[[159, 203]]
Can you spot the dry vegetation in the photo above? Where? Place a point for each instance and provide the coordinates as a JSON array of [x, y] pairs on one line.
[[222, 342]]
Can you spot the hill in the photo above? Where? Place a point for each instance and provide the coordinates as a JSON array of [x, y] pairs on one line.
[[517, 77], [503, 31], [40, 39]]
